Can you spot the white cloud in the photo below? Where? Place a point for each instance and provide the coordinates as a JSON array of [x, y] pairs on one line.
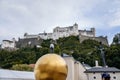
[[115, 22], [19, 16]]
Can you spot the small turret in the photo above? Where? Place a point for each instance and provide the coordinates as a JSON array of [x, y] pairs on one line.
[[75, 24], [93, 30], [13, 39]]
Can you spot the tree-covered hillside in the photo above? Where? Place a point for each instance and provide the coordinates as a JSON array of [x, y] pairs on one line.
[[87, 52]]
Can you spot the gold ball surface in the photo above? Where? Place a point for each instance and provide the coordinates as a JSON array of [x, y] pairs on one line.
[[50, 67]]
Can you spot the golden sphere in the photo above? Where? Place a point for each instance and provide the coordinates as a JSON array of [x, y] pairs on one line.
[[50, 67]]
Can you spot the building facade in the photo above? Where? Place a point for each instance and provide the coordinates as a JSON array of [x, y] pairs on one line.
[[60, 32], [75, 69], [101, 39], [96, 73], [8, 44], [88, 33], [29, 42]]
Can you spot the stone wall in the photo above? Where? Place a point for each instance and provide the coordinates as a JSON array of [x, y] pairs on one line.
[[75, 69], [60, 32], [99, 39]]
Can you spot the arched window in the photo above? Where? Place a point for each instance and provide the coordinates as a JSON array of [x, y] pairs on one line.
[[94, 77], [114, 77]]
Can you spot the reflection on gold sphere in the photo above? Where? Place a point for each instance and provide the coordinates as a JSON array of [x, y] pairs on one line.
[[50, 67]]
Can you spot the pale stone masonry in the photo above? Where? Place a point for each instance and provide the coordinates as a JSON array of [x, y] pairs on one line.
[[75, 69], [29, 42], [88, 33], [60, 32], [8, 44], [101, 39]]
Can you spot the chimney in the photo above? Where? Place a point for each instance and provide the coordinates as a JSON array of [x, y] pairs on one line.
[[96, 63]]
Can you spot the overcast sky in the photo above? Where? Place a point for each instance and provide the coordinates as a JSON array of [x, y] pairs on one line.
[[37, 16]]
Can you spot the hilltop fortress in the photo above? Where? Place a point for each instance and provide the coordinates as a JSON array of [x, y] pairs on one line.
[[60, 32]]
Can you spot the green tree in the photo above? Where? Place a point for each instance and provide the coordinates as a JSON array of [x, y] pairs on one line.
[[113, 56], [22, 67], [115, 40]]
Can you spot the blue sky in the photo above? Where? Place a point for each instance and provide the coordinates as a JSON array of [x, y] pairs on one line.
[[37, 16]]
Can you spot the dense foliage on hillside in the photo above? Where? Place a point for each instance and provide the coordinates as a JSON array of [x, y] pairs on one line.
[[87, 52]]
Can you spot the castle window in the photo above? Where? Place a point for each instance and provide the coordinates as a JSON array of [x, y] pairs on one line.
[[113, 72], [93, 72], [94, 77], [114, 77]]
